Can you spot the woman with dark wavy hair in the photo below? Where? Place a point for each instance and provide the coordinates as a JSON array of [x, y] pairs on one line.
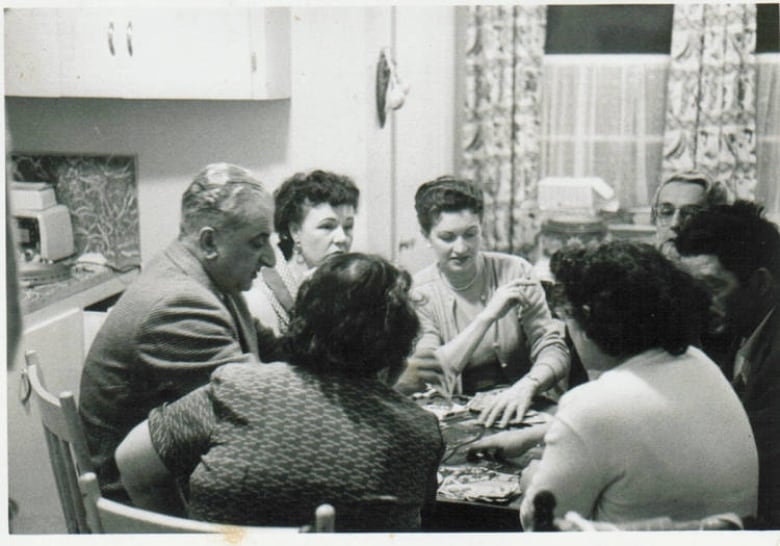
[[314, 213], [267, 444], [657, 431], [485, 320]]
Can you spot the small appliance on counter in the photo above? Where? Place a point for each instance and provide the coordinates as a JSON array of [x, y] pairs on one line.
[[43, 230]]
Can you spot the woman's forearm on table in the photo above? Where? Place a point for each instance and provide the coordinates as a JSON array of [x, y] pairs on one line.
[[548, 370], [455, 354], [546, 338]]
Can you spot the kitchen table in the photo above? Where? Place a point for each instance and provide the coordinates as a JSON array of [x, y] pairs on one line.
[[476, 494]]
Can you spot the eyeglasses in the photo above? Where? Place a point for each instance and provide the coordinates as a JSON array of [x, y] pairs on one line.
[[664, 213]]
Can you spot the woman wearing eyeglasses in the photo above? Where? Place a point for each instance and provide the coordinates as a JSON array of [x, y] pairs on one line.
[[678, 198]]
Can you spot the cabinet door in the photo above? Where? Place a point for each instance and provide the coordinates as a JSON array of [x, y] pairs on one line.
[[32, 62], [271, 52], [59, 344], [92, 51], [424, 58], [188, 53]]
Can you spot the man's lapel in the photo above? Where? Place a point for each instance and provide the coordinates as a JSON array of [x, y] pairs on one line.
[[244, 323]]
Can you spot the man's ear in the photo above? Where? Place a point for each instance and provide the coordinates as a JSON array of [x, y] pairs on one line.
[[762, 282], [207, 242]]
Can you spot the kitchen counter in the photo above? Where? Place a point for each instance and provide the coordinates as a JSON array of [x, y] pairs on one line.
[[83, 288]]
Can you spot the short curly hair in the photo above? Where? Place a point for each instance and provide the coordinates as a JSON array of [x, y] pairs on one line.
[[741, 237], [446, 194], [629, 298], [355, 316], [302, 191]]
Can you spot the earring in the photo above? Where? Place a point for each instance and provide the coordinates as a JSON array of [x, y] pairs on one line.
[[298, 253]]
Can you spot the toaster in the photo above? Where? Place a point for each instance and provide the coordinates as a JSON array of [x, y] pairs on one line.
[[45, 233]]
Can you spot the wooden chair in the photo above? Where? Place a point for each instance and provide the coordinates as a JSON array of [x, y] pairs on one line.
[[544, 506], [66, 443], [107, 516]]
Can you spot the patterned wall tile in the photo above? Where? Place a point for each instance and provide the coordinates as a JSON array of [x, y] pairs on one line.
[[102, 195]]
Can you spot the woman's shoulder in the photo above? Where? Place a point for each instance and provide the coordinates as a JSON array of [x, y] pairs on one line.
[[416, 420], [426, 276], [598, 400], [427, 283], [250, 375], [504, 262]]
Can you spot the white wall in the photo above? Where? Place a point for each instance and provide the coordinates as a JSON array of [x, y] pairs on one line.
[[425, 128], [329, 123]]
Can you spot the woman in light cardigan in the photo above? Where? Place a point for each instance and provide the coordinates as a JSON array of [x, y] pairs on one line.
[[485, 320]]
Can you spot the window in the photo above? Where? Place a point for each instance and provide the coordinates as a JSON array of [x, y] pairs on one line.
[[604, 97]]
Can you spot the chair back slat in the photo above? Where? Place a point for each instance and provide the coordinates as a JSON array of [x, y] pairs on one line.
[[71, 479], [77, 437], [107, 516], [58, 468], [48, 405], [325, 519], [90, 493], [64, 438]]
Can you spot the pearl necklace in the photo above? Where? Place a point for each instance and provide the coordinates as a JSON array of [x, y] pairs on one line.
[[466, 286]]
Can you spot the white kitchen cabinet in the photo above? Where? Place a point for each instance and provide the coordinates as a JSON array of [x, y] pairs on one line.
[[32, 61], [58, 341], [169, 53], [93, 62]]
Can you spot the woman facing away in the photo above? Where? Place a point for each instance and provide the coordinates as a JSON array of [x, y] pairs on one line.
[[657, 431], [267, 444], [313, 217], [485, 320]]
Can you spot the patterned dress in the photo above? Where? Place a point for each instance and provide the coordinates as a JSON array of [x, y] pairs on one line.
[[265, 445]]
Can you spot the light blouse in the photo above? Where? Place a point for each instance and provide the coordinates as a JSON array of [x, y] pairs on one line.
[[659, 435], [517, 341], [264, 304]]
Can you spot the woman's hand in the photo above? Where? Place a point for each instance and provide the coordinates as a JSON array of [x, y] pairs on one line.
[[506, 297], [418, 374], [510, 404], [507, 444]]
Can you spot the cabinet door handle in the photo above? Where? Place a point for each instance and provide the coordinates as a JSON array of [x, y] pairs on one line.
[[130, 38], [25, 389], [111, 38]]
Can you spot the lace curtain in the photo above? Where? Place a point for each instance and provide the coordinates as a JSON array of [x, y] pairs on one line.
[[598, 115], [711, 105], [602, 115], [501, 128], [768, 133]]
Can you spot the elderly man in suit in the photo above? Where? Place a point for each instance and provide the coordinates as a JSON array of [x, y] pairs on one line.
[[736, 252], [184, 316]]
